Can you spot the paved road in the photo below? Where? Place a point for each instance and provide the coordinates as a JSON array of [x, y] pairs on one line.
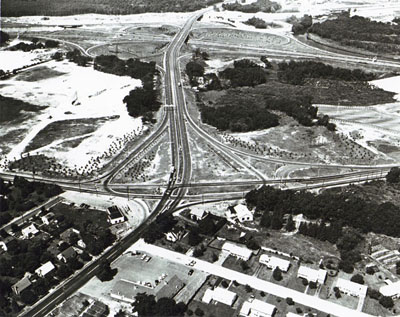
[[254, 282]]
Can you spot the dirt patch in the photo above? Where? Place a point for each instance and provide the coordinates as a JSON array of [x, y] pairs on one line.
[[38, 73]]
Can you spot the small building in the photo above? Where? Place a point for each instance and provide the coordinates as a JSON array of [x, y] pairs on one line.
[[6, 242], [47, 218], [45, 269], [289, 314], [22, 284], [220, 295], [66, 255], [391, 290], [351, 288], [81, 244], [114, 215], [68, 234], [273, 262], [240, 212], [257, 308], [241, 252], [171, 288], [312, 275], [29, 231], [198, 214], [175, 234]]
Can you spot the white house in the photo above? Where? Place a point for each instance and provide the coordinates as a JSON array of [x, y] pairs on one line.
[[220, 295], [240, 213], [47, 218], [114, 215], [29, 231], [312, 275], [175, 234], [257, 308], [81, 244], [289, 314], [198, 214], [391, 290], [45, 269], [273, 262], [241, 252], [351, 288]]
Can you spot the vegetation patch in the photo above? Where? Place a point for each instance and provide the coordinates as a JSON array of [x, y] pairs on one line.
[[360, 32], [38, 73], [12, 109], [258, 6], [63, 7], [60, 130]]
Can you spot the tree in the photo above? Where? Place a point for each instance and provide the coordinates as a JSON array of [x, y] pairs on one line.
[[194, 69], [51, 44], [289, 301], [357, 279], [290, 225], [277, 274], [386, 301], [194, 238], [28, 297], [4, 37], [63, 271], [105, 271], [248, 288], [393, 176], [370, 270]]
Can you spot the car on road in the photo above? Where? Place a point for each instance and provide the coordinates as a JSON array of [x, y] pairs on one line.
[[190, 272], [191, 263]]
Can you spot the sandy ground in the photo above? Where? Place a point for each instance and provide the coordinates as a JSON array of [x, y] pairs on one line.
[[135, 210], [96, 95]]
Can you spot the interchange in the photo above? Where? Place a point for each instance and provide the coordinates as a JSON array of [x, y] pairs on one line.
[[174, 120]]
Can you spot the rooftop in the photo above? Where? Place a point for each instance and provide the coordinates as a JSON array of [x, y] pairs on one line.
[[274, 261], [114, 212], [259, 306], [235, 249], [352, 287], [390, 290], [45, 268], [171, 288]]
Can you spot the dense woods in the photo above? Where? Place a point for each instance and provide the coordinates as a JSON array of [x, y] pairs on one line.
[[341, 217], [76, 57], [4, 37], [296, 72], [258, 6], [239, 118], [257, 23], [141, 101], [244, 73], [68, 7], [330, 206], [360, 32]]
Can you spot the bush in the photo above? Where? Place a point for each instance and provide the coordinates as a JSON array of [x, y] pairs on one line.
[[357, 279], [386, 302], [199, 312], [277, 274], [289, 301]]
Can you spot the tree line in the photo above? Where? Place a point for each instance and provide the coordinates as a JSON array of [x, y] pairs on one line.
[[296, 72], [61, 8], [266, 6]]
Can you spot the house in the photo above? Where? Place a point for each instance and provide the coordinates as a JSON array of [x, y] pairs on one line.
[[312, 275], [45, 269], [81, 244], [175, 234], [220, 295], [6, 242], [47, 218], [29, 231], [293, 315], [66, 255], [351, 288], [257, 308], [68, 234], [241, 252], [391, 290], [273, 262], [240, 213], [114, 215], [22, 284], [198, 214]]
